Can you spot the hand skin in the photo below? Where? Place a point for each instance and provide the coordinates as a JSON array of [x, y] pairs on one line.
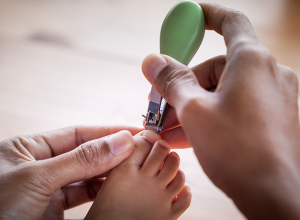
[[36, 169], [246, 133], [208, 75]]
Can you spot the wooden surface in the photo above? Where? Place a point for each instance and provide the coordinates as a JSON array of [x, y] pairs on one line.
[[78, 62]]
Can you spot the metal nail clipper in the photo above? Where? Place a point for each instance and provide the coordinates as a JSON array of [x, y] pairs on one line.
[[181, 35], [156, 113]]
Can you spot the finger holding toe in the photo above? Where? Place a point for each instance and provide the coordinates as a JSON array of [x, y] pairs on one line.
[[183, 201], [156, 157], [169, 169]]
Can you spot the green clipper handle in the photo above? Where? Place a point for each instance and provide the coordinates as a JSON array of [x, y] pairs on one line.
[[180, 37], [182, 31]]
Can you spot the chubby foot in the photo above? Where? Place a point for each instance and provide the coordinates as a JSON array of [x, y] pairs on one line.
[[147, 185]]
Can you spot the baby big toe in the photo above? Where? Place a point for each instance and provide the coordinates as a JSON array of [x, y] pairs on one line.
[[143, 144]]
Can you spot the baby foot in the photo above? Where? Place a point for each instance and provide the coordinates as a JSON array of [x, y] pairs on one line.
[[147, 185]]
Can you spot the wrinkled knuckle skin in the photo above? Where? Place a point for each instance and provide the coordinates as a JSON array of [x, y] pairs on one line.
[[16, 149], [5, 145], [233, 15], [254, 54], [93, 152]]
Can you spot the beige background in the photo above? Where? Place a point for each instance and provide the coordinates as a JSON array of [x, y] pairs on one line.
[[66, 62]]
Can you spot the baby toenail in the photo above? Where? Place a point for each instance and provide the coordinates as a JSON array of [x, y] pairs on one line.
[[164, 143], [140, 133], [151, 136]]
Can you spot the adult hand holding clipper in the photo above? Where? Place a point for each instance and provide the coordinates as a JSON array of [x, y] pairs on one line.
[[246, 134], [181, 35]]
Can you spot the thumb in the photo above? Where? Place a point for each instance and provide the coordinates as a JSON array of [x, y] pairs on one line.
[[88, 160], [172, 80]]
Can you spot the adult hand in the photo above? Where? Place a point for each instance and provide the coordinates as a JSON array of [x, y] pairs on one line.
[[246, 133], [35, 169], [208, 74]]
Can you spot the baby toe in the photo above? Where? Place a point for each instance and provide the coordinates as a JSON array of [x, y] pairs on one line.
[[177, 183], [182, 202], [169, 169], [143, 144], [156, 158]]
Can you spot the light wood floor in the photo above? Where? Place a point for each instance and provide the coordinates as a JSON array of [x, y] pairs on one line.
[[78, 62]]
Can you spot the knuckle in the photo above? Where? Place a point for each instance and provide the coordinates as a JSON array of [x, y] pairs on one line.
[[289, 77], [5, 145], [254, 54], [17, 149], [227, 13], [78, 138], [233, 15], [92, 152], [220, 60], [292, 78]]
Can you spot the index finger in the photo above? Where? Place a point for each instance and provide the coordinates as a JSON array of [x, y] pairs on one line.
[[53, 143], [233, 25]]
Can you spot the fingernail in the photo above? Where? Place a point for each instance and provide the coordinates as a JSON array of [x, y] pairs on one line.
[[151, 136], [152, 65], [120, 142], [140, 133]]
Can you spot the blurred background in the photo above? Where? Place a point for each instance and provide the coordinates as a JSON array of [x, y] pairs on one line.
[[66, 62]]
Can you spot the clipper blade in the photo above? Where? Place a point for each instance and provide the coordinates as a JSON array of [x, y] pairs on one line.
[[156, 113]]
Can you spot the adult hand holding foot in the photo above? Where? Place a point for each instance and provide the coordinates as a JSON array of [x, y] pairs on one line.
[[35, 169], [246, 133]]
